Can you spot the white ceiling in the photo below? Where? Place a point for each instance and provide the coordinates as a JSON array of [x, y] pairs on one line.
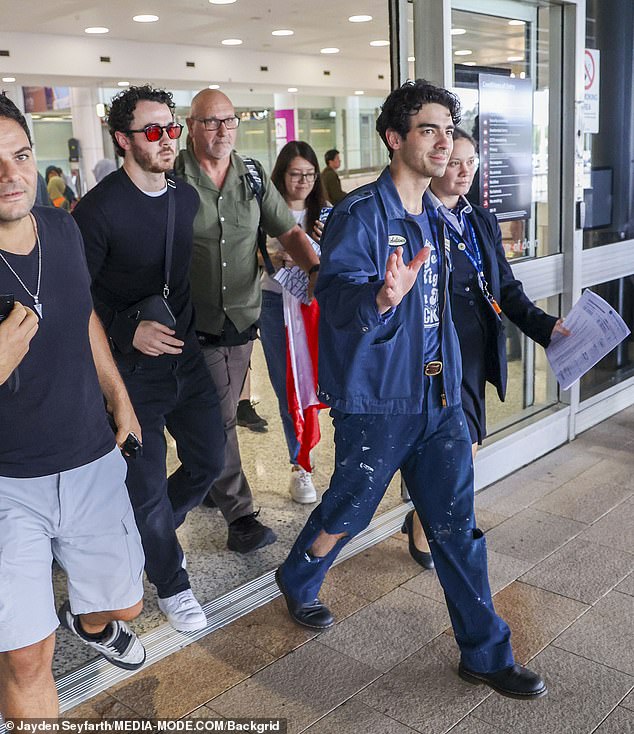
[[199, 23]]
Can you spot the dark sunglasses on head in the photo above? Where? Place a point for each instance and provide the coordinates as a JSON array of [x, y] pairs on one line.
[[154, 132]]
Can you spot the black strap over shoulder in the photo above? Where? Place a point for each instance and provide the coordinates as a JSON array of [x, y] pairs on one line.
[[169, 233], [254, 177]]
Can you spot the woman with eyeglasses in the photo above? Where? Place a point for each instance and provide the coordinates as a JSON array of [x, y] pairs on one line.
[[296, 176], [477, 302]]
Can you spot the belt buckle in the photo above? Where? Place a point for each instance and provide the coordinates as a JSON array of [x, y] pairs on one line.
[[432, 369]]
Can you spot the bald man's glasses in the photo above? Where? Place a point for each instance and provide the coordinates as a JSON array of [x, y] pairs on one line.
[[213, 123], [154, 132]]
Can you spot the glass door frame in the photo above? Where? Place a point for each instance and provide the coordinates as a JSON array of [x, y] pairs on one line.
[[552, 275]]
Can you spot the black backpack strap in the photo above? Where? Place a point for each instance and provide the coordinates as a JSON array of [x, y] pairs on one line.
[[254, 178]]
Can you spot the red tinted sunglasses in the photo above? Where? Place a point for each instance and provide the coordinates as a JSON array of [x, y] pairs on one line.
[[154, 132]]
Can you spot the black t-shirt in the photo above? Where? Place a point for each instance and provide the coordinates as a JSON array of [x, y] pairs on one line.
[[124, 235], [56, 419]]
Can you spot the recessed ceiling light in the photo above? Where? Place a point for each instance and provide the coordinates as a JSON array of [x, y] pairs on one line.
[[332, 113], [360, 18], [458, 31], [222, 2], [463, 52], [359, 91], [214, 86], [123, 84], [145, 18], [292, 89], [515, 58], [97, 29], [522, 75], [379, 43], [232, 42], [512, 75], [8, 78], [469, 63], [411, 58], [282, 32], [517, 22], [330, 50]]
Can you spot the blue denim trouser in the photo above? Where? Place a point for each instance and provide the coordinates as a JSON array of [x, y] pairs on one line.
[[273, 337], [433, 452]]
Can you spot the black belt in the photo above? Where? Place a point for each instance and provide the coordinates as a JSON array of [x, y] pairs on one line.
[[431, 369]]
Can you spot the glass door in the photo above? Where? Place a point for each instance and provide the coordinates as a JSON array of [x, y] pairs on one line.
[[507, 67]]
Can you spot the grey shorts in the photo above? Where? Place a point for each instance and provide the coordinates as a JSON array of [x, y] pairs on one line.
[[83, 519]]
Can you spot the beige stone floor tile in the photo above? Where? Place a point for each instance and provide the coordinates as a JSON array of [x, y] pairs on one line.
[[302, 687], [375, 571], [581, 694], [472, 725], [628, 701], [627, 585], [561, 465], [535, 617], [271, 628], [532, 535], [502, 571], [605, 633], [353, 717], [388, 630], [511, 494], [620, 721], [101, 706], [424, 692], [581, 570], [589, 496], [614, 530], [190, 677]]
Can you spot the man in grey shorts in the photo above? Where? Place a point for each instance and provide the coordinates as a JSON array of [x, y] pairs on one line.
[[62, 479]]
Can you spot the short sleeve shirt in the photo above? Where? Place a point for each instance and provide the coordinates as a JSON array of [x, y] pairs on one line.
[[225, 276]]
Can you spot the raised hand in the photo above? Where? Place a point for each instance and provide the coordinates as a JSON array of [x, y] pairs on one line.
[[399, 278]]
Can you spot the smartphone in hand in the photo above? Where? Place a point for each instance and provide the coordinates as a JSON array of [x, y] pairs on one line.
[[7, 302]]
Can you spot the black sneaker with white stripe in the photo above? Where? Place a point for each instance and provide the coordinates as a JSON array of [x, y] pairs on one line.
[[120, 646]]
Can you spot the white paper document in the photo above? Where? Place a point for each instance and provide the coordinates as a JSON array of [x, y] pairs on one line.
[[596, 328], [294, 279]]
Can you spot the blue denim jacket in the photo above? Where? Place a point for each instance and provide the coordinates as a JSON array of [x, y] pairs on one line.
[[370, 363]]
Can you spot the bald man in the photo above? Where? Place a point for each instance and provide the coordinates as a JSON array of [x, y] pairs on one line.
[[226, 281]]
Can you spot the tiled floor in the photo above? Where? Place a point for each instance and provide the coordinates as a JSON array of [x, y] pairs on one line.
[[561, 557]]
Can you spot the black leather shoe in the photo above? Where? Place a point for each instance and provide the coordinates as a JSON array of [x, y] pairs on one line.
[[421, 557], [248, 418], [247, 534], [514, 682], [313, 615]]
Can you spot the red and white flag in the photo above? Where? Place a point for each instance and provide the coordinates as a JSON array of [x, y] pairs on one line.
[[302, 322]]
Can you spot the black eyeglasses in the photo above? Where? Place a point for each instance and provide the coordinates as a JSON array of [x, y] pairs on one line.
[[213, 123], [299, 176], [154, 132]]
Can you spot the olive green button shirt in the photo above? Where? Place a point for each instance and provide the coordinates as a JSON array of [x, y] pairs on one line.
[[225, 278]]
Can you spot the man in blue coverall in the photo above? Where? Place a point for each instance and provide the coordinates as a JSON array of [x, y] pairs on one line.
[[389, 367]]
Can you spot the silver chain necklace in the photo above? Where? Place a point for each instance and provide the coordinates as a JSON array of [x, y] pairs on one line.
[[35, 296]]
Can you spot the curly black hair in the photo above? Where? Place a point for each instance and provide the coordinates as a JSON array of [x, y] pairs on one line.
[[11, 112], [123, 105], [407, 100]]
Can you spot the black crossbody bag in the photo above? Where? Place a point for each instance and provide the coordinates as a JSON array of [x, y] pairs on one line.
[[155, 307]]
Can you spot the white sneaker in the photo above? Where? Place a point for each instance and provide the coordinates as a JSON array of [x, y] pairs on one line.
[[121, 646], [301, 487], [183, 612]]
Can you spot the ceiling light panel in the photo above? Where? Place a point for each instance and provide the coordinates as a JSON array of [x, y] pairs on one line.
[[360, 18], [145, 18]]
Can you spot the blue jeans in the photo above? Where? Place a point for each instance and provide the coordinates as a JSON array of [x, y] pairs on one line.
[[273, 336], [433, 452]]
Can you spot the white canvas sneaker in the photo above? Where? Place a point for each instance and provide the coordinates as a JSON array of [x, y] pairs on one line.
[[183, 612], [121, 646], [301, 487]]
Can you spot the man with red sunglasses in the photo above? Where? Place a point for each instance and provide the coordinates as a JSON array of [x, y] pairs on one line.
[[137, 228]]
